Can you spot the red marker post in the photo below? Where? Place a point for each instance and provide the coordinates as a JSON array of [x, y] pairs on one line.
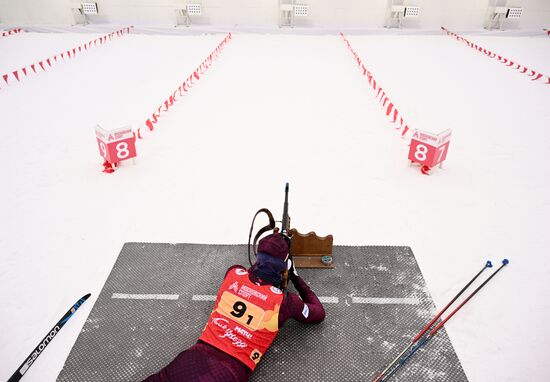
[[428, 149], [115, 146]]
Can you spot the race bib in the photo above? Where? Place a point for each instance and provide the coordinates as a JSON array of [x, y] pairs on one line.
[[243, 312]]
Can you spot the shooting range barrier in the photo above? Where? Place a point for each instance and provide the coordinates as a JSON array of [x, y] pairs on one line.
[[158, 298], [18, 75]]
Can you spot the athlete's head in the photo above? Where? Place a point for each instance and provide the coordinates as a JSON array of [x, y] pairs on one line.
[[271, 259], [274, 245]]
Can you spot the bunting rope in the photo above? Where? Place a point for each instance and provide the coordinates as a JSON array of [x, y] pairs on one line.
[[184, 87], [391, 111], [18, 75], [11, 32], [535, 76]]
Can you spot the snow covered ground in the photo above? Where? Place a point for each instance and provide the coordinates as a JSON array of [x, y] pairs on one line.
[[276, 108]]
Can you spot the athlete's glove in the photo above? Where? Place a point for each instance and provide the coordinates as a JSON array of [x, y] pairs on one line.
[[292, 273]]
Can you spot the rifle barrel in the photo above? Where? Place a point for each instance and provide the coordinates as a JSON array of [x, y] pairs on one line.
[[285, 222]]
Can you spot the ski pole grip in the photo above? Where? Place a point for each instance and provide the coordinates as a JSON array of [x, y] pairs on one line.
[[505, 262], [489, 264]]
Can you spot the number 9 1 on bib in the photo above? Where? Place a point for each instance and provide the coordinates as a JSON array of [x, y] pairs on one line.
[[116, 145], [429, 149]]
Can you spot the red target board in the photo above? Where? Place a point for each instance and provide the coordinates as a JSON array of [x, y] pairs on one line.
[[429, 149], [116, 145]]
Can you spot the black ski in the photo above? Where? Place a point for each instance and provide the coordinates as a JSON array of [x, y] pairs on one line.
[[22, 369]]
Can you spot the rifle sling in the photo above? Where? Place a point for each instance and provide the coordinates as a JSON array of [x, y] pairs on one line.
[[262, 230]]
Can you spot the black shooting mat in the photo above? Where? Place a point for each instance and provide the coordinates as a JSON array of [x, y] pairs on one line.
[[129, 339]]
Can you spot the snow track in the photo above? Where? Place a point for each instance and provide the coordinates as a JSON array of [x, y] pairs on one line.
[[280, 108]]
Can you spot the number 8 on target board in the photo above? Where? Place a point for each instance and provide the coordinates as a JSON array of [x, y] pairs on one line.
[[115, 146], [429, 150]]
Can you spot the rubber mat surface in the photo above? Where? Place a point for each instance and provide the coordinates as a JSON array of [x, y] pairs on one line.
[[159, 296]]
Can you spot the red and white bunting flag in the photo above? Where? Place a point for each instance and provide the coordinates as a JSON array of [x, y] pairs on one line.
[[390, 109], [49, 62], [523, 69], [395, 113], [149, 124], [168, 103], [11, 32]]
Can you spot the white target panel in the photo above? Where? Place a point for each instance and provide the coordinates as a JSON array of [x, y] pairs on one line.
[[194, 9], [514, 13], [412, 11], [300, 10], [89, 8]]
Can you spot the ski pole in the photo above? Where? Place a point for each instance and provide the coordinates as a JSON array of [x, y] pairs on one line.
[[488, 264], [426, 338], [440, 325]]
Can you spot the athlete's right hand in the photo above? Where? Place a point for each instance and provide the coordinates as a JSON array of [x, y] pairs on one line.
[[292, 273]]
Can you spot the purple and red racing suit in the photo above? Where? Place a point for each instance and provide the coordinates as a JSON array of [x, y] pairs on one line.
[[205, 363]]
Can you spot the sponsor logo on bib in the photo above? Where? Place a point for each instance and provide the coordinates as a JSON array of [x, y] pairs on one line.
[[305, 311], [276, 290], [234, 287]]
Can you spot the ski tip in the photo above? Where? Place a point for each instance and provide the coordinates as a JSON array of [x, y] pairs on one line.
[[489, 264], [85, 297], [505, 261]]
